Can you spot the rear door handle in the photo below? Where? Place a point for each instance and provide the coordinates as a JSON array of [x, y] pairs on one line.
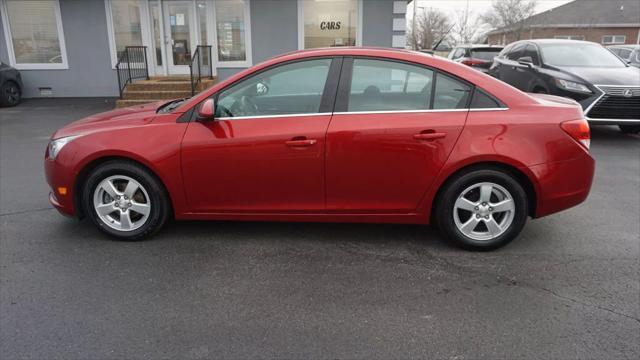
[[429, 135], [296, 142]]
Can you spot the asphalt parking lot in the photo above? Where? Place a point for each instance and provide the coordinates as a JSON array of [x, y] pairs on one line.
[[569, 287]]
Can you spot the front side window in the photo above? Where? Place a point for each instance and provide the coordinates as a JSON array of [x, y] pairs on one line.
[[294, 88], [34, 37], [231, 26], [516, 52], [329, 23], [379, 85]]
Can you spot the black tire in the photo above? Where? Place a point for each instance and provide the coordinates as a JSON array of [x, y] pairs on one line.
[[456, 186], [630, 129], [539, 90], [10, 94], [160, 206]]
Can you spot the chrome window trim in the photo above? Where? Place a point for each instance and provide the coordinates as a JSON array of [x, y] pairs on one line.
[[360, 113], [271, 116], [398, 111], [637, 121]]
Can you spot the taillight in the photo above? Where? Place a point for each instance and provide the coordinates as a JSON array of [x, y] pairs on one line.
[[579, 130], [471, 62]]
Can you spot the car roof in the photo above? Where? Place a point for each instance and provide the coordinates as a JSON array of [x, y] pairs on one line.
[[558, 41], [625, 46], [443, 64], [479, 46]]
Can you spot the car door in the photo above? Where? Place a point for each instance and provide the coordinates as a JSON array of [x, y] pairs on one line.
[[265, 150], [394, 127], [526, 77], [508, 65]]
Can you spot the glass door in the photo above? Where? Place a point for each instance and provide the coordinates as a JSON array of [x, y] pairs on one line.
[[180, 35]]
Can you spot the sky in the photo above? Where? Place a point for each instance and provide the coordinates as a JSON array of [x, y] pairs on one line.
[[476, 7]]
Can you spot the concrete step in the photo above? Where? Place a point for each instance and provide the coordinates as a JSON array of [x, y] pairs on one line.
[[120, 103], [169, 84], [146, 94]]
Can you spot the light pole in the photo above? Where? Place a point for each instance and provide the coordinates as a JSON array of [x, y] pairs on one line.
[[413, 24]]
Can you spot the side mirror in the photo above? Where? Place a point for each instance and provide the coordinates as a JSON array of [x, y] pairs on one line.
[[526, 60], [261, 89], [206, 110]]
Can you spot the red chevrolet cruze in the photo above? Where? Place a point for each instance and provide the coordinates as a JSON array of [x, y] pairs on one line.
[[335, 135]]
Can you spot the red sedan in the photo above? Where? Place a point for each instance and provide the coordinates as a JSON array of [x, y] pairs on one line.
[[334, 135]]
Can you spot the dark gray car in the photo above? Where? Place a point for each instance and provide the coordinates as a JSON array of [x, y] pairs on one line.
[[607, 88], [10, 86]]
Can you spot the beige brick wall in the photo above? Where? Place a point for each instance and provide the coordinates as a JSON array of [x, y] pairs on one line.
[[590, 34]]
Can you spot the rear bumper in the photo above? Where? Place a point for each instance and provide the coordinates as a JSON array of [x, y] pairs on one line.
[[563, 184]]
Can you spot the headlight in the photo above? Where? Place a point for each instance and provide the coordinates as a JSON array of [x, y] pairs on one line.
[[56, 145], [572, 86]]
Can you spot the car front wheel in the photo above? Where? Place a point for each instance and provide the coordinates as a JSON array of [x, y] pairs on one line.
[[482, 209], [10, 94], [125, 200]]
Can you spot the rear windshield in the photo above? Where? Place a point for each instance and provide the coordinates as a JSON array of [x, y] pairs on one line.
[[485, 54]]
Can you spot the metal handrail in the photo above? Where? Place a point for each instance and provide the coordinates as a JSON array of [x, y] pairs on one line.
[[132, 64], [201, 60]]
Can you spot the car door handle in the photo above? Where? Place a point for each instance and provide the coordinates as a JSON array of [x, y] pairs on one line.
[[301, 142], [429, 135]]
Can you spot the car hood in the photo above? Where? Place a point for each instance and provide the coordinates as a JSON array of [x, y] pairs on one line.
[[625, 76], [118, 118]]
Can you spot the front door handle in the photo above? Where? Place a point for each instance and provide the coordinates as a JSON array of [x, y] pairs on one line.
[[429, 135], [301, 142]]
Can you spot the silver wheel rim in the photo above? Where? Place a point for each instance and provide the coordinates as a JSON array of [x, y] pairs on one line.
[[121, 203], [484, 211]]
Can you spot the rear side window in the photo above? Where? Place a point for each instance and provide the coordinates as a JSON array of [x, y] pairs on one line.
[[450, 93], [380, 85], [482, 100], [485, 54]]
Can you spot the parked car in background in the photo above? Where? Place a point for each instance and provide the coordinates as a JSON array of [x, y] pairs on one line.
[[607, 88], [628, 53], [479, 57], [10, 85], [334, 135]]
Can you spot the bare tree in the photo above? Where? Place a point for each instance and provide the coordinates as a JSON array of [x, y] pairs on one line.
[[468, 27], [512, 15], [431, 26]]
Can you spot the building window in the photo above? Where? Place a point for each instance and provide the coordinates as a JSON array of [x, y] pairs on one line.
[[570, 37], [232, 19], [614, 39], [125, 27], [329, 23], [33, 33]]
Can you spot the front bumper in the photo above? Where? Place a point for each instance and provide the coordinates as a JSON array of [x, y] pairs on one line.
[[563, 184], [610, 107], [59, 176]]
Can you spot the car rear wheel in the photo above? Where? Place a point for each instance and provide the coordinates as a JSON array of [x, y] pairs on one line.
[[630, 129], [482, 209], [125, 200], [10, 94]]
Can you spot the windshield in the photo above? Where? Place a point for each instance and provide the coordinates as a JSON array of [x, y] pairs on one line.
[[485, 54], [588, 55]]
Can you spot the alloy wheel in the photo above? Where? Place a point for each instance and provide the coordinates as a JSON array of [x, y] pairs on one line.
[[121, 203], [484, 211]]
